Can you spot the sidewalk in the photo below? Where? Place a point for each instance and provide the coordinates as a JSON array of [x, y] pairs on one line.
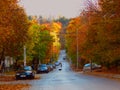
[[11, 77], [100, 74], [104, 74]]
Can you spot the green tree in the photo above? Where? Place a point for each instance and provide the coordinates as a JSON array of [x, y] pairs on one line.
[[63, 20], [39, 43]]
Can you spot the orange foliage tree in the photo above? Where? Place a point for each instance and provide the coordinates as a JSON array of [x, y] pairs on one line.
[[72, 36], [101, 41], [13, 28]]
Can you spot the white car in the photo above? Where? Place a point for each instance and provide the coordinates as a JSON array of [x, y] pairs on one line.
[[87, 67]]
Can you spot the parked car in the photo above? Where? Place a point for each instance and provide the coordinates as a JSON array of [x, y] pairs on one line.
[[50, 67], [25, 73], [87, 67], [42, 68], [54, 66], [57, 63]]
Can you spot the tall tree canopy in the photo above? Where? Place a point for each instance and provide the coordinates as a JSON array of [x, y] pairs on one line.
[[40, 42], [102, 26], [13, 28]]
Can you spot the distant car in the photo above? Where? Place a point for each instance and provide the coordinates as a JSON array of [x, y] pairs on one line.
[[25, 73], [57, 63], [42, 68], [87, 67], [50, 67], [54, 66], [64, 58]]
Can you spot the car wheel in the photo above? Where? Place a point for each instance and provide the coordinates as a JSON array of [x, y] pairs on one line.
[[17, 78], [37, 72], [32, 77]]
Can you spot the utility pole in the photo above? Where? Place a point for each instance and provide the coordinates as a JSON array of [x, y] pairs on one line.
[[77, 45], [24, 55]]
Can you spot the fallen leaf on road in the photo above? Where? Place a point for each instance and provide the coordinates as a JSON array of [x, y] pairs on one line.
[[14, 86]]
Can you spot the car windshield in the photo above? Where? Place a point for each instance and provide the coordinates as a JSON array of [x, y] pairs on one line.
[[87, 65], [27, 68], [42, 65]]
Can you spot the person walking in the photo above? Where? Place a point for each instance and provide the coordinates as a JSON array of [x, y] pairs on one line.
[[61, 64]]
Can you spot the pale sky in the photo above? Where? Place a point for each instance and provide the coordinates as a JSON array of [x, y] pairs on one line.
[[53, 8]]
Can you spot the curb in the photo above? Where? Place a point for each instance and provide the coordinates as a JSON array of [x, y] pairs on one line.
[[114, 76]]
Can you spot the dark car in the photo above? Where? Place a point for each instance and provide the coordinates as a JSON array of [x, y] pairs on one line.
[[64, 58], [54, 66], [50, 67], [25, 72], [42, 68]]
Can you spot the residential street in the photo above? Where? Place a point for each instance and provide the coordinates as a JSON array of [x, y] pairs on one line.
[[69, 80], [66, 79], [59, 44]]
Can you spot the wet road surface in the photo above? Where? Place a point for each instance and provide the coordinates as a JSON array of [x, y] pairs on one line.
[[66, 79], [69, 80]]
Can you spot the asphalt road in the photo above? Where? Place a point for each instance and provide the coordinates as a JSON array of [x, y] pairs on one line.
[[69, 80], [66, 79]]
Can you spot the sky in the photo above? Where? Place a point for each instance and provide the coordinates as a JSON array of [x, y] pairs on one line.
[[53, 8]]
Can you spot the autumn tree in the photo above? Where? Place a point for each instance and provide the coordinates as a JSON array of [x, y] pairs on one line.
[[111, 15], [75, 39], [102, 43], [39, 44], [55, 28], [101, 23], [13, 28]]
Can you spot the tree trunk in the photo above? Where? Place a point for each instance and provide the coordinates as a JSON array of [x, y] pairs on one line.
[[2, 56]]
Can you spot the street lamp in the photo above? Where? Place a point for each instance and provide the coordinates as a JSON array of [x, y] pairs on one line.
[[77, 45]]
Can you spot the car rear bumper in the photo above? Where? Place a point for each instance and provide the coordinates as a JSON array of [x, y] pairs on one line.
[[24, 76], [45, 71]]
